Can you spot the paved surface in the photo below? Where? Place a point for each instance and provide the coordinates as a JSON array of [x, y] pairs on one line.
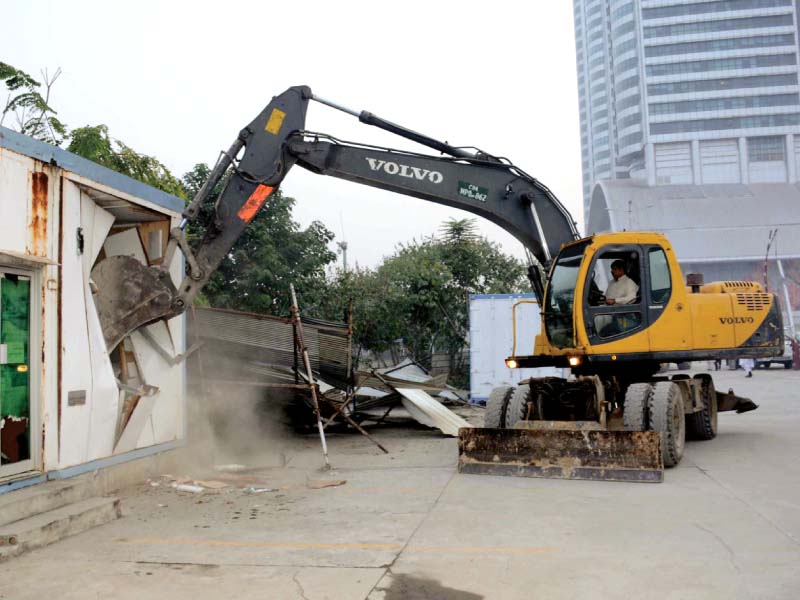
[[724, 524]]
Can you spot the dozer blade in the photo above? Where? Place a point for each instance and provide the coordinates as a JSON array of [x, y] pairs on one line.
[[562, 454], [129, 295]]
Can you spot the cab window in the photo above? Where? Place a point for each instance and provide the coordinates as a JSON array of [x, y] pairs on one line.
[[614, 294], [560, 296], [660, 283]]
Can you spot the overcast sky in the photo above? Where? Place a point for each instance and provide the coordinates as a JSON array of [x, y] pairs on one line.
[[177, 80]]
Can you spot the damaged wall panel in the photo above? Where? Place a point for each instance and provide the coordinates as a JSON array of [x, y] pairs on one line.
[[96, 223], [166, 415], [75, 353], [57, 211]]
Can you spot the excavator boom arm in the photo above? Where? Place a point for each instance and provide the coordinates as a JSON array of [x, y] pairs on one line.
[[275, 141], [493, 190]]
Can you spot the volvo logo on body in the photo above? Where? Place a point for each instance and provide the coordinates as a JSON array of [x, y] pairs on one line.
[[393, 168], [736, 320]]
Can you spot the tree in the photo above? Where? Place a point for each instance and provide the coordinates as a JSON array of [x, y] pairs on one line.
[[32, 112], [272, 252], [421, 293], [94, 143]]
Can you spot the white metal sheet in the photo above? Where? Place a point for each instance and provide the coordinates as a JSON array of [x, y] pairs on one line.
[[76, 371], [15, 200], [125, 243], [97, 230], [139, 427], [156, 371], [435, 415], [104, 407]]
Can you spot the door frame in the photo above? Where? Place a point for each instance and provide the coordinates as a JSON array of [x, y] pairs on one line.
[[590, 311], [35, 324]]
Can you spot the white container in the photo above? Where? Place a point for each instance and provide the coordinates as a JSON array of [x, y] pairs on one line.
[[491, 340]]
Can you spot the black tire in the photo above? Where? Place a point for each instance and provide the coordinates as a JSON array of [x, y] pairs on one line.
[[495, 415], [634, 411], [518, 405], [667, 417], [703, 425], [788, 365]]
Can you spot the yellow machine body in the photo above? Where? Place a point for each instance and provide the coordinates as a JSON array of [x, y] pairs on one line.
[[717, 320], [618, 418]]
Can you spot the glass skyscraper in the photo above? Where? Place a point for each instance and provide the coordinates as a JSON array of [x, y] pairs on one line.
[[688, 92]]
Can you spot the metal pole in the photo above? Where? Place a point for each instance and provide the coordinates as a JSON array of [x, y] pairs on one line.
[[296, 318], [786, 296]]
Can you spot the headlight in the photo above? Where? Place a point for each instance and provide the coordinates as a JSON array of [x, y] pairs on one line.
[[574, 361], [511, 363]]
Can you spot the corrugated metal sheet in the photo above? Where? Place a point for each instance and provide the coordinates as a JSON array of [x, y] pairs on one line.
[[242, 341], [433, 414]]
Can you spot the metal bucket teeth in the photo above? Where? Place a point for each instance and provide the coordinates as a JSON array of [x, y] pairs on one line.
[[559, 454]]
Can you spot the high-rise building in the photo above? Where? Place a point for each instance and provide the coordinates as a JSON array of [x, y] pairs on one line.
[[690, 125], [688, 92]]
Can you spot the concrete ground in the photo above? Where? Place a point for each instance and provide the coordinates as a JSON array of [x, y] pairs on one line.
[[724, 524]]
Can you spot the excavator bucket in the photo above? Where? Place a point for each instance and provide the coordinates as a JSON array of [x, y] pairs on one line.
[[128, 295], [562, 451]]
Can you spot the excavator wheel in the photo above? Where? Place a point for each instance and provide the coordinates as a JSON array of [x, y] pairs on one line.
[[518, 405], [703, 425], [667, 417], [635, 409], [495, 415]]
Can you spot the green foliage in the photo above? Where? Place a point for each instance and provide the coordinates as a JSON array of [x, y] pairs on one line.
[[95, 144], [32, 112], [271, 253], [420, 295]]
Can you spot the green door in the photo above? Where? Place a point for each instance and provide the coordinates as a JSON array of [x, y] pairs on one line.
[[15, 410]]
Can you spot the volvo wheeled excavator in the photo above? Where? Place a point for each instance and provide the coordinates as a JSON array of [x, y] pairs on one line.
[[614, 417]]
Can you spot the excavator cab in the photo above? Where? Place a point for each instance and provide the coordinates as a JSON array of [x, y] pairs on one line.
[[603, 296]]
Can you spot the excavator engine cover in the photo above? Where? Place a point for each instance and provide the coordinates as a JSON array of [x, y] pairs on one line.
[[562, 452], [129, 295]]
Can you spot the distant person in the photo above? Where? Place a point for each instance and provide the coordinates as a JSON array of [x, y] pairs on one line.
[[622, 290], [748, 364]]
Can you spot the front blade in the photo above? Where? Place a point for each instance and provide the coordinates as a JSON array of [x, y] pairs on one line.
[[598, 455], [129, 295]]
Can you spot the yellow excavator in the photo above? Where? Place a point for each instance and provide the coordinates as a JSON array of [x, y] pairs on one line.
[[614, 417]]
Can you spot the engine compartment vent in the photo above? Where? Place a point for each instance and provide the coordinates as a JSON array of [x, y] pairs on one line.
[[753, 301]]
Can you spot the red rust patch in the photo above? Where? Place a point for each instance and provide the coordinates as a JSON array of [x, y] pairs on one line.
[[38, 223]]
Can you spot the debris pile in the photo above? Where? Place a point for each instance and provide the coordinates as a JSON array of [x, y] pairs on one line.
[[259, 351]]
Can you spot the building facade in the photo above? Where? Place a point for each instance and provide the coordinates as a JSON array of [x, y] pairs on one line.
[[677, 92]]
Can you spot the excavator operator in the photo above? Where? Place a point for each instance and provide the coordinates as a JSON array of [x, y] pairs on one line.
[[622, 289]]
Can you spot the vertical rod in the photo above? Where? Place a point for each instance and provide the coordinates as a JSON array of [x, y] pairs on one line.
[[204, 401], [350, 364], [296, 319], [787, 299]]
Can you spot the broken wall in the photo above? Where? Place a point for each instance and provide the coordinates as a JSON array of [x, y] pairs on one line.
[[59, 215]]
